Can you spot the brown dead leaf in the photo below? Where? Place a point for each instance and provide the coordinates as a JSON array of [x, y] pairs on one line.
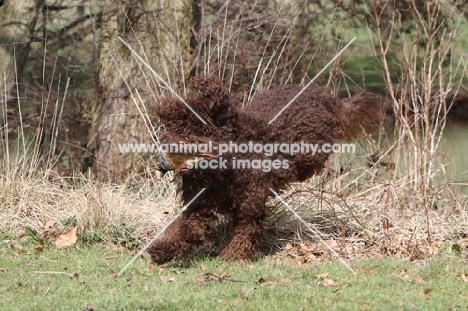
[[302, 259], [50, 230], [366, 271], [111, 291], [303, 248], [238, 302], [328, 283], [386, 224], [424, 293], [146, 288], [109, 256], [166, 278], [222, 274], [202, 267], [67, 239], [201, 279], [333, 244], [311, 257], [419, 280], [38, 248], [434, 248], [357, 199], [400, 303], [322, 276], [464, 277]]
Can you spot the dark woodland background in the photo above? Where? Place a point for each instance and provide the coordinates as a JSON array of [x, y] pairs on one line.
[[69, 85]]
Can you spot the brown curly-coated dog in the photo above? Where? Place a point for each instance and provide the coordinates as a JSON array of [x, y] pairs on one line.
[[316, 116]]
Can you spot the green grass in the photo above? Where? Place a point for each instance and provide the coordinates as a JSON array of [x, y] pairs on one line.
[[28, 283]]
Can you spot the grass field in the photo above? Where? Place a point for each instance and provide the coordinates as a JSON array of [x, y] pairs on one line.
[[396, 210], [85, 278]]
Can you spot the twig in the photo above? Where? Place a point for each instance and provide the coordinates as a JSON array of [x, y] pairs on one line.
[[70, 275], [221, 278]]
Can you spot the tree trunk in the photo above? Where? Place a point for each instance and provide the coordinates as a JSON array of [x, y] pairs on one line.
[[159, 32], [17, 22]]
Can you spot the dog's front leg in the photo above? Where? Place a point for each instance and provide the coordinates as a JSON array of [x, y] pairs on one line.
[[183, 235]]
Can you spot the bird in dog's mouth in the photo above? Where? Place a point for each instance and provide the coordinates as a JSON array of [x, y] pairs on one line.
[[179, 161]]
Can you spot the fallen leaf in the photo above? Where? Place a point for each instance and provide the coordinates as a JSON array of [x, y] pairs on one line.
[[419, 279], [366, 271], [202, 267], [328, 283], [357, 199], [238, 302], [333, 244], [303, 247], [386, 224], [111, 291], [322, 276], [166, 278], [223, 274], [400, 303], [201, 279], [67, 239], [464, 277], [50, 230], [108, 256], [38, 248], [434, 248], [146, 288]]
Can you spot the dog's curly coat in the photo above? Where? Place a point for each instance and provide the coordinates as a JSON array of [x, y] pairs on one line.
[[315, 116]]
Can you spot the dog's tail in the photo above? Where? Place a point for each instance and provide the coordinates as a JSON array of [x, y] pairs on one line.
[[360, 112]]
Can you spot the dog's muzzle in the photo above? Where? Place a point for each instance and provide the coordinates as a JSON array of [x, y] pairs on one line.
[[181, 162]]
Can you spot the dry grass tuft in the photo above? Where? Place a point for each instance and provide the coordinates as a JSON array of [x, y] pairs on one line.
[[31, 202], [373, 219]]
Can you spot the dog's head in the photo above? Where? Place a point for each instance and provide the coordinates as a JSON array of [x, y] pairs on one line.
[[210, 102]]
